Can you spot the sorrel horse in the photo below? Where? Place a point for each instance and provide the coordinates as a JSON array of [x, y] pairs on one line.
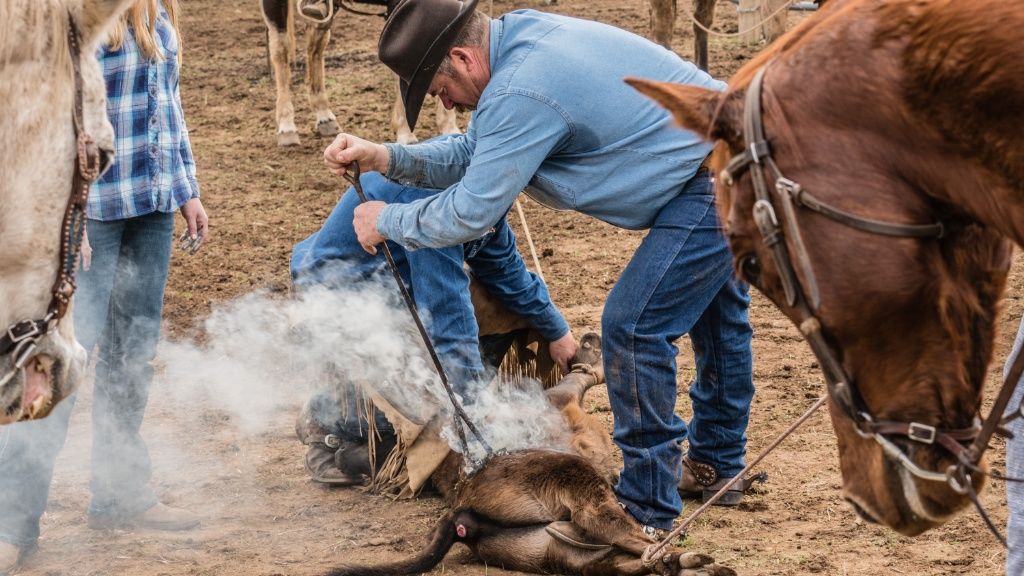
[[55, 137], [872, 186]]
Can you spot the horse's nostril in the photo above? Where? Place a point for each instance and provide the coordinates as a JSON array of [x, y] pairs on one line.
[[861, 512]]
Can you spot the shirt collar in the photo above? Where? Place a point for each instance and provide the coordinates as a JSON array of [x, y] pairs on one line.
[[497, 25]]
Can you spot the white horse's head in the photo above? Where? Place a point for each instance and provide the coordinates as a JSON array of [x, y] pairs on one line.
[[37, 137]]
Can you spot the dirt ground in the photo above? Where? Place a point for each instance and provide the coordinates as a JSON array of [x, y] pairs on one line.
[[262, 516]]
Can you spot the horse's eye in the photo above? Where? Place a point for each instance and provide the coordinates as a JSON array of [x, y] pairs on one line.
[[750, 267]]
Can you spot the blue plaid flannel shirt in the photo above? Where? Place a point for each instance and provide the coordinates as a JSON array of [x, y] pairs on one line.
[[153, 168]]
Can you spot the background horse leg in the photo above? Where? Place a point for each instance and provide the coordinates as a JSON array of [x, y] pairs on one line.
[[281, 50], [447, 123], [663, 21], [316, 46], [704, 13], [403, 134]]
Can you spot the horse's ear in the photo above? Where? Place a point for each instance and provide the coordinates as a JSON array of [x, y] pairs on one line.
[[697, 109], [97, 15]]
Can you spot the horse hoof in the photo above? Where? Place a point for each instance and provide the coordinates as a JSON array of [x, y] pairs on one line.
[[287, 139], [327, 128], [409, 138]]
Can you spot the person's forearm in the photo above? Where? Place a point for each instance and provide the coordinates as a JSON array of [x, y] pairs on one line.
[[433, 164]]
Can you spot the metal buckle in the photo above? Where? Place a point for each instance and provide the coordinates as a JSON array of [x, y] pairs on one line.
[[786, 186], [15, 337], [332, 441], [764, 209], [761, 145], [921, 433]]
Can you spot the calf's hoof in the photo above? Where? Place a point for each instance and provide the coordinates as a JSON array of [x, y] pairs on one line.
[[589, 351], [694, 564], [327, 128], [287, 139]]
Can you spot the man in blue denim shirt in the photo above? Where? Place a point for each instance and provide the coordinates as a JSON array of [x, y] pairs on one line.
[[439, 285], [552, 113]]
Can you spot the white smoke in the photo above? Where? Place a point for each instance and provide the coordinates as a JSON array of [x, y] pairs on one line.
[[509, 417], [261, 353]]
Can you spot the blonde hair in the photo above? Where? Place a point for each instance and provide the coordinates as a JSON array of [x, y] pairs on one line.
[[142, 17]]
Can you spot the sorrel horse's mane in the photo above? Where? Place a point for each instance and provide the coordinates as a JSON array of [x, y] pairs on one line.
[[953, 78]]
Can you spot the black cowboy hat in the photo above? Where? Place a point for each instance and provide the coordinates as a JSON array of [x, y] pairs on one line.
[[415, 40]]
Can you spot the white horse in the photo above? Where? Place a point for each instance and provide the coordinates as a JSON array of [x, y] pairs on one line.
[[40, 361]]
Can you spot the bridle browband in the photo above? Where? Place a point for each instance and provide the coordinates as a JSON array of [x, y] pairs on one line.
[[757, 158], [22, 338]]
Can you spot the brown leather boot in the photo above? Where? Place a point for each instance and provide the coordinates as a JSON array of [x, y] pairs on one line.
[[322, 463], [321, 460], [702, 480]]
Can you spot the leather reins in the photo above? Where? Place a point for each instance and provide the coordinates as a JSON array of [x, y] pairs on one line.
[[757, 158], [22, 338]]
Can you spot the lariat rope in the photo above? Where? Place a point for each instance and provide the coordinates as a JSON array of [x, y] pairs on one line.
[[654, 552]]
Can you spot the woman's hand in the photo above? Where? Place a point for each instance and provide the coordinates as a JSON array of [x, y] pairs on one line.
[[197, 226]]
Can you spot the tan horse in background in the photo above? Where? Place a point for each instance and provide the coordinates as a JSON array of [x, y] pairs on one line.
[[280, 16], [907, 113], [37, 138]]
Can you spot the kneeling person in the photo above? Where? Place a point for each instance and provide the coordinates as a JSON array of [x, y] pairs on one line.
[[330, 424]]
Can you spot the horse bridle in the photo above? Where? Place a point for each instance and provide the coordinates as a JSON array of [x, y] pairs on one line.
[[757, 158], [22, 338]]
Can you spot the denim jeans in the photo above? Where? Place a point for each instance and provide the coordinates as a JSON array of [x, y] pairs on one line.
[[118, 305], [435, 277], [678, 282], [1015, 469]]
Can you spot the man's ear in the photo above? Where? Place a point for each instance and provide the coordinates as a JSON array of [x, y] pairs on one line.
[[462, 58], [709, 113]]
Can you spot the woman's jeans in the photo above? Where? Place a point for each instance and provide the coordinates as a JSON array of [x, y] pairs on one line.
[[118, 305], [678, 282], [1015, 469]]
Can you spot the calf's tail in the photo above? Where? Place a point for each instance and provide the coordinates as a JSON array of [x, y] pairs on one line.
[[456, 526]]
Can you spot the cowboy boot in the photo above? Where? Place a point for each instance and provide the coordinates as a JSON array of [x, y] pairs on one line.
[[322, 464], [320, 457], [702, 480]]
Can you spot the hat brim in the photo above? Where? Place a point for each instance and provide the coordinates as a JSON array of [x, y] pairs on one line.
[[415, 90]]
